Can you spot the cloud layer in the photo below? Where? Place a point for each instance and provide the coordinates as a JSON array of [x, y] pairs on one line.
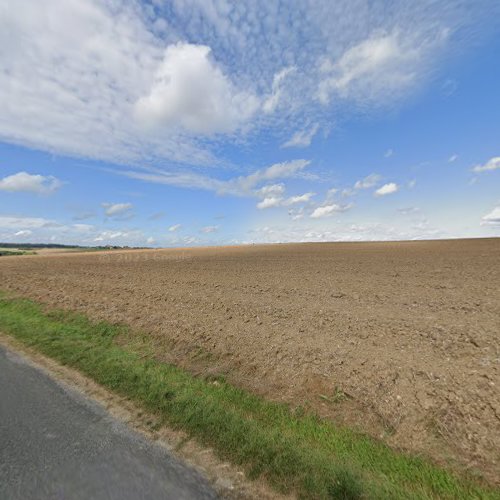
[[31, 183], [125, 82]]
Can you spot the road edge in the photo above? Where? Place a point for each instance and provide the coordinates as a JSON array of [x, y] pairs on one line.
[[227, 480]]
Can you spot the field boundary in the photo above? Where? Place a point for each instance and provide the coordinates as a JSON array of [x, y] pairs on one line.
[[229, 481], [296, 453]]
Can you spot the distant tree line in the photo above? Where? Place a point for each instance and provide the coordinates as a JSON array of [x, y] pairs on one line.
[[32, 246]]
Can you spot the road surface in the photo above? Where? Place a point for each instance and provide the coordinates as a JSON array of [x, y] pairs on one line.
[[57, 444]]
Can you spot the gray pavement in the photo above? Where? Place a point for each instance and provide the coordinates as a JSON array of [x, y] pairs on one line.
[[57, 444]]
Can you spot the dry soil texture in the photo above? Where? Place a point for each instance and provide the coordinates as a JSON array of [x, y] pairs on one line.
[[399, 339]]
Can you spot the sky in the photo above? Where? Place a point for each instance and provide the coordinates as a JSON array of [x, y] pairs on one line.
[[210, 122]]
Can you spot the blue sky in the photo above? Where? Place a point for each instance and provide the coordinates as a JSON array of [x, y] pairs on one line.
[[207, 122]]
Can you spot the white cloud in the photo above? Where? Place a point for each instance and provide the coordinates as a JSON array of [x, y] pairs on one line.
[[276, 171], [388, 153], [71, 88], [75, 87], [271, 189], [344, 232], [8, 222], [492, 218], [34, 183], [174, 228], [192, 92], [327, 210], [40, 230], [386, 189], [272, 101], [118, 237], [302, 138], [23, 232], [117, 209], [150, 241], [453, 158], [279, 201], [348, 192], [368, 182], [332, 192], [296, 213], [301, 198], [491, 164], [209, 229], [269, 202], [412, 183], [238, 186], [377, 68]]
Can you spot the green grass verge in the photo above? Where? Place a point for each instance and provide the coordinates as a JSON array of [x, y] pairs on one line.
[[295, 453], [6, 253]]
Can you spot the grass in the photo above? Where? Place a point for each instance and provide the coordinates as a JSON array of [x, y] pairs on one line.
[[5, 253], [295, 452]]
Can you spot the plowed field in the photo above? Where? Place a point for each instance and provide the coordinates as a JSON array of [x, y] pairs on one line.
[[399, 339]]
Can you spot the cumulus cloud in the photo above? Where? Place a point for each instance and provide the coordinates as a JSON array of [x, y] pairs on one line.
[[386, 189], [302, 138], [117, 209], [368, 182], [191, 91], [31, 183], [71, 88], [491, 164], [269, 202], [492, 218], [301, 198], [174, 228], [327, 210], [119, 236], [196, 68], [275, 200]]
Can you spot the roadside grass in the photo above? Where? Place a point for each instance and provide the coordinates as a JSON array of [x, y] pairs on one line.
[[294, 453]]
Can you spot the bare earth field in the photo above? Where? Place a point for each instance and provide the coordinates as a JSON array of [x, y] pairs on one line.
[[398, 339]]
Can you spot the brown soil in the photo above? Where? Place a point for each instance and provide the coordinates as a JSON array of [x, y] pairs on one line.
[[399, 339]]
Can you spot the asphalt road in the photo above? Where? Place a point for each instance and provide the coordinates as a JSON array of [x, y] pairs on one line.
[[57, 444]]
